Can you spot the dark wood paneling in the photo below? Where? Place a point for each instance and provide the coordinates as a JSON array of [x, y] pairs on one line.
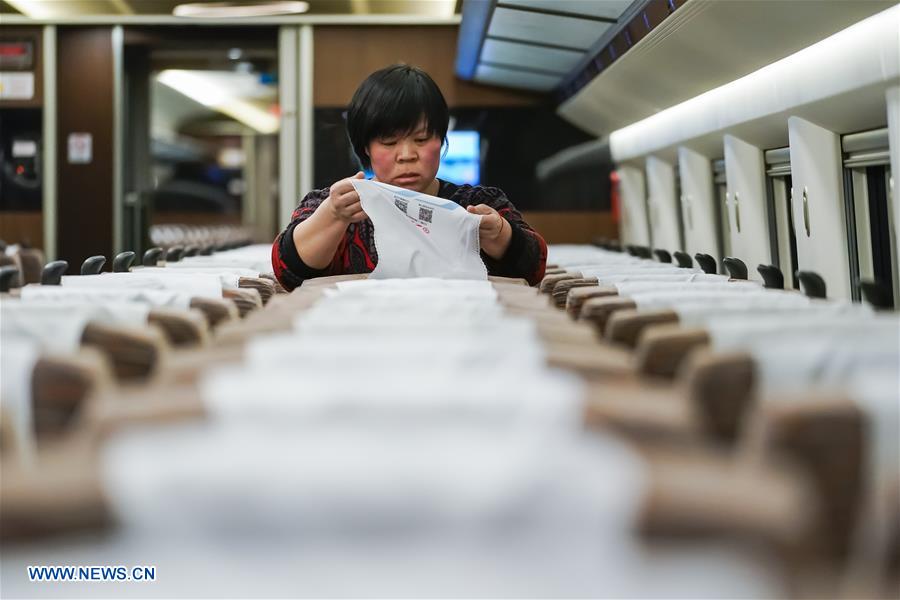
[[346, 55], [35, 35], [85, 191], [572, 227], [21, 227]]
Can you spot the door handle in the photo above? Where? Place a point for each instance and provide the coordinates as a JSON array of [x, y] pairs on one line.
[[727, 212], [806, 210], [688, 212]]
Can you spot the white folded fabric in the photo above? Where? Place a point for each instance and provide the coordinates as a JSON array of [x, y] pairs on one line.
[[256, 257], [728, 333], [682, 276], [229, 273], [695, 283], [58, 326], [823, 357], [746, 295], [342, 479], [58, 293], [697, 314], [418, 235], [202, 285], [418, 285]]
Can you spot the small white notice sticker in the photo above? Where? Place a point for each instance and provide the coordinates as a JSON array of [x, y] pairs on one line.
[[16, 86], [80, 148]]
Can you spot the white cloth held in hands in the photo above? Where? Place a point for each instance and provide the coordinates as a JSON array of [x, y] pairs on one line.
[[418, 235]]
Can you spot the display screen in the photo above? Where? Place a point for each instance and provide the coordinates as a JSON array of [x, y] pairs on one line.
[[462, 162], [16, 55]]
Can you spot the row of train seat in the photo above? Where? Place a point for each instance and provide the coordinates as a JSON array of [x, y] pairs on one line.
[[629, 428]]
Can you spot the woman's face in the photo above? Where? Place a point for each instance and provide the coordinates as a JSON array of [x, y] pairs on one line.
[[406, 160]]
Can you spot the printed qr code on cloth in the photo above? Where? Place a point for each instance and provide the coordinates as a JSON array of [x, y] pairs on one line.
[[425, 214]]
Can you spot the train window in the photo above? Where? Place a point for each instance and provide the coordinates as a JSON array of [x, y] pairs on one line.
[[782, 241], [867, 193]]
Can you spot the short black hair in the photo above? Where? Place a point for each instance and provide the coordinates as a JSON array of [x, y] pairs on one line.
[[392, 101]]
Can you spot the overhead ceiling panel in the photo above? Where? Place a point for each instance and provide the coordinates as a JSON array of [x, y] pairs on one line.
[[601, 9], [570, 32], [520, 79], [704, 45], [524, 55]]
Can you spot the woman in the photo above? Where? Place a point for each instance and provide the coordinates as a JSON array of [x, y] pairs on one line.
[[397, 123]]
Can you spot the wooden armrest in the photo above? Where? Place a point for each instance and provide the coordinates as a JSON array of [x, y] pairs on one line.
[[598, 310], [32, 261], [265, 287], [62, 387], [561, 290], [62, 493], [721, 388], [589, 361], [646, 412], [146, 404], [625, 326], [549, 281], [662, 349], [704, 493], [181, 327], [827, 435], [216, 311], [552, 329], [578, 295], [279, 289], [246, 300], [135, 353], [519, 281]]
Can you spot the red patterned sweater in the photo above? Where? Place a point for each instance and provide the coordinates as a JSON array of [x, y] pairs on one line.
[[526, 256]]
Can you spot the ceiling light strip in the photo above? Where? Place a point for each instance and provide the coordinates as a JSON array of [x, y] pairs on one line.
[[237, 10]]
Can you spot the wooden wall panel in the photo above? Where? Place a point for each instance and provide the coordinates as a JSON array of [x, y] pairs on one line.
[[21, 227], [345, 55], [572, 227], [85, 191]]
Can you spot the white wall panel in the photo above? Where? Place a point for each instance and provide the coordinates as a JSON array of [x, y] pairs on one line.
[[634, 226], [662, 205], [698, 208], [818, 204], [745, 200], [893, 118]]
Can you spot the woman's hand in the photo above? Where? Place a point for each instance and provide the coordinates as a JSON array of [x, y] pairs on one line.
[[343, 202], [494, 232]]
